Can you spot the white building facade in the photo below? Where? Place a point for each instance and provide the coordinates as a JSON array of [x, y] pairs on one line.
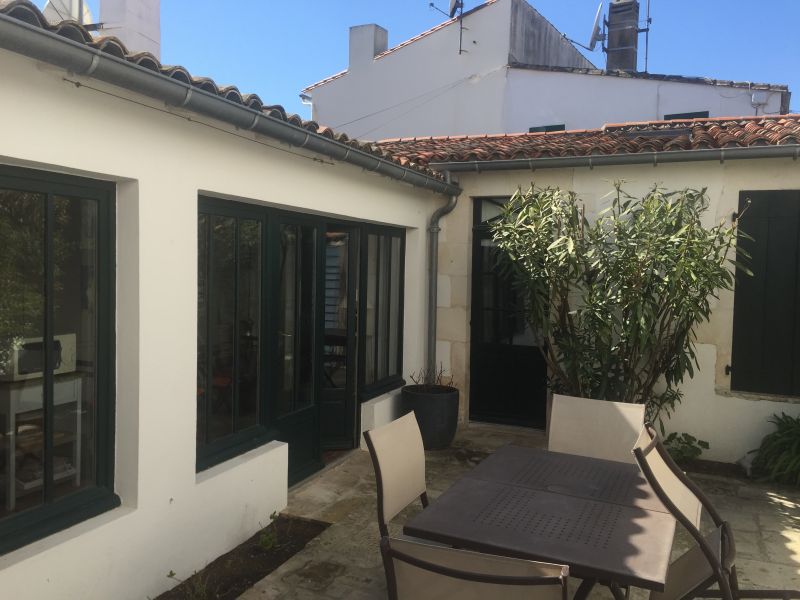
[[515, 72], [184, 260]]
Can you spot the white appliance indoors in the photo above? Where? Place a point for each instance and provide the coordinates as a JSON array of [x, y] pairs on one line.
[[26, 358]]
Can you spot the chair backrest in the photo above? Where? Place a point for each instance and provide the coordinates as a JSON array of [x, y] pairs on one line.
[[668, 480], [596, 428], [416, 571], [712, 558], [399, 461]]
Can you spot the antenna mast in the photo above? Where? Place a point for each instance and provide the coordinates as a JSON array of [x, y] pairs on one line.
[[647, 37], [455, 6]]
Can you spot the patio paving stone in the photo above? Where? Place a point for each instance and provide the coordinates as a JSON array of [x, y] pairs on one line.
[[344, 561]]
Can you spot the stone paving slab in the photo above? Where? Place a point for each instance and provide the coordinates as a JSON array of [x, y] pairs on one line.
[[344, 561]]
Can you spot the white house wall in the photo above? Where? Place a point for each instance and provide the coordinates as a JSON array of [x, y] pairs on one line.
[[426, 86], [733, 423], [171, 518], [535, 98]]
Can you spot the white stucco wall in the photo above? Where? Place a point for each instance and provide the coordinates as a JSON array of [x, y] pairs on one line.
[[733, 423], [172, 518], [427, 88], [534, 98]]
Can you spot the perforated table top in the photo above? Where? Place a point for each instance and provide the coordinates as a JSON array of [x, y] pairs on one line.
[[601, 531], [571, 475]]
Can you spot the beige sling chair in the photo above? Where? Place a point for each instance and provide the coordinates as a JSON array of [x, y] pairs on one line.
[[416, 571], [595, 428], [399, 461], [711, 561]]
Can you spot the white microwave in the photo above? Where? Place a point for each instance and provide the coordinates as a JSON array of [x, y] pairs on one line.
[[25, 358]]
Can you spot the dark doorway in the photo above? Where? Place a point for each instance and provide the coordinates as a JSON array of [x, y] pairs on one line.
[[507, 371], [339, 405]]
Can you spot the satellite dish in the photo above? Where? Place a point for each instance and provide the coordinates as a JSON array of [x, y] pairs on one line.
[[454, 6], [597, 36], [56, 11]]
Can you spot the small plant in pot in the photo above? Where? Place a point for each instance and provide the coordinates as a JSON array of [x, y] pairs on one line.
[[434, 400]]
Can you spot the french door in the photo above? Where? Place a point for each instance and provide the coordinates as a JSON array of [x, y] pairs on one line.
[[507, 370], [296, 310], [338, 401]]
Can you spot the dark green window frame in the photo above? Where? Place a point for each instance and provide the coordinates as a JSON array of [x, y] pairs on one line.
[[242, 440], [239, 442], [54, 515], [547, 128], [700, 114], [393, 378]]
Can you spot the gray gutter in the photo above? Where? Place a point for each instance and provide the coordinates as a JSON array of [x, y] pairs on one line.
[[641, 158], [34, 42], [433, 283]]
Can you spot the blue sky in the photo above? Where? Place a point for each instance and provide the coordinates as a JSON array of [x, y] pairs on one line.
[[276, 48]]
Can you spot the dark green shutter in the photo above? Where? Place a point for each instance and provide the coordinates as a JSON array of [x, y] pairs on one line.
[[766, 319]]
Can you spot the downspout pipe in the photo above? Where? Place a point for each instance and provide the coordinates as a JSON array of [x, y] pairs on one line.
[[82, 60], [433, 274]]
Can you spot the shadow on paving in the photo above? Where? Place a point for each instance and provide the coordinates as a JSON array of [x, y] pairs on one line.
[[344, 561]]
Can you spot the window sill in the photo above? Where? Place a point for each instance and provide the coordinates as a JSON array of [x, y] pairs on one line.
[[235, 445], [237, 461], [377, 389], [756, 396], [24, 528]]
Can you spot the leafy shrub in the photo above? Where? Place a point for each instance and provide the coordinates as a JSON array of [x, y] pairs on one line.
[[617, 300], [683, 447], [778, 458]]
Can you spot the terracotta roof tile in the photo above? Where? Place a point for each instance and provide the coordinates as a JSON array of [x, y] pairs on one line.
[[27, 12], [620, 138]]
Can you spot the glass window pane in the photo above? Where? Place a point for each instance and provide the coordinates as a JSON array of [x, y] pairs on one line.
[[21, 349], [395, 317], [202, 326], [369, 313], [337, 244], [306, 317], [249, 321], [383, 308], [286, 318], [221, 326], [75, 342]]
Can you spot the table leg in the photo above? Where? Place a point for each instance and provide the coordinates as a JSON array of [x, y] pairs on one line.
[[618, 592], [584, 589]]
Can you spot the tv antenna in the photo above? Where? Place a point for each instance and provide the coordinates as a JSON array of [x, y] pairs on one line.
[[456, 6], [600, 33]]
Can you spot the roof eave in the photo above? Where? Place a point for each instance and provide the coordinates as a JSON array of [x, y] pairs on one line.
[[654, 158], [39, 44]]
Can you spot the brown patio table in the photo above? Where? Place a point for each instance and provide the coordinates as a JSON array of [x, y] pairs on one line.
[[598, 517]]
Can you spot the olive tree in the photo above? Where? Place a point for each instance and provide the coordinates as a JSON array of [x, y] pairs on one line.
[[616, 298]]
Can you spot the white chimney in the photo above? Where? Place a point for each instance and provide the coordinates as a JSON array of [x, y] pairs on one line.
[[366, 42], [136, 22]]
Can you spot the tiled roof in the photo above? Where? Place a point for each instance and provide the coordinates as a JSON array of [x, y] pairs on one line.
[[623, 138], [655, 76], [403, 44], [27, 12]]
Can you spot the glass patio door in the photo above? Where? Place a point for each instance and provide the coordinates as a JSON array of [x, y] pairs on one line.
[[295, 412], [338, 368]]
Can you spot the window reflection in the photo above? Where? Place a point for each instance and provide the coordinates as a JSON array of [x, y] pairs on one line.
[[42, 368]]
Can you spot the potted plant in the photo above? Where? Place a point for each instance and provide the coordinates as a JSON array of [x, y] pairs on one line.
[[434, 400]]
